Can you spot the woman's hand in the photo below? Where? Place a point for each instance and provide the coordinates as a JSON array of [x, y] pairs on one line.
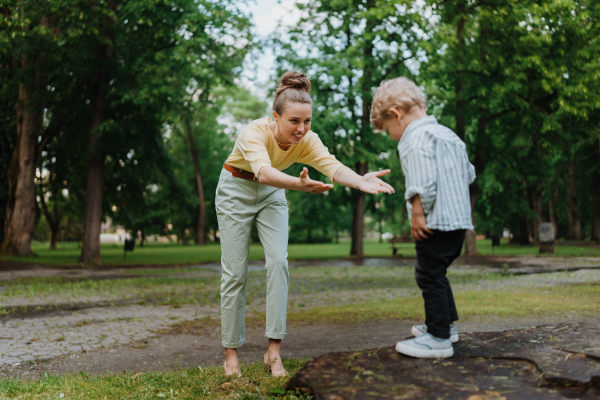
[[370, 183], [309, 185]]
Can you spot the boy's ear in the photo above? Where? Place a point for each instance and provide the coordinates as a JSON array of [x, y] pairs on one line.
[[396, 113]]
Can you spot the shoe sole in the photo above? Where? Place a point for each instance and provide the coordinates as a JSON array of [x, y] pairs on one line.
[[416, 332], [411, 351]]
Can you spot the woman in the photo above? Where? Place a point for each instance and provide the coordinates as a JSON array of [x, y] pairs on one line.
[[251, 187]]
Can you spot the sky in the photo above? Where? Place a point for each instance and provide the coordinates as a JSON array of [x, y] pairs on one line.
[[266, 15]]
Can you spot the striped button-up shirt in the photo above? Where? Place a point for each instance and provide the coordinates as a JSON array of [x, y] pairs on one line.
[[436, 166]]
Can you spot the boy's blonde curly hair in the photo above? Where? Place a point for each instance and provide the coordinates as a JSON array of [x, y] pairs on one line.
[[400, 93]]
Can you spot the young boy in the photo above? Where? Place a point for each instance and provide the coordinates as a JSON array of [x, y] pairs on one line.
[[438, 173]]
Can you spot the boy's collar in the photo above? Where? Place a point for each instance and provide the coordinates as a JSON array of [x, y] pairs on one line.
[[428, 120]]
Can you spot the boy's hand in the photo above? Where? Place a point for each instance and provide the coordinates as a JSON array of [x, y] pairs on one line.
[[418, 227], [418, 223]]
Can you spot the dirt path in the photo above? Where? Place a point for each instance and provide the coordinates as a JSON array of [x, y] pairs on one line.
[[199, 345], [93, 320], [518, 264]]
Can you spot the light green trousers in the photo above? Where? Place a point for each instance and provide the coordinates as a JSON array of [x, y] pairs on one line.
[[238, 203]]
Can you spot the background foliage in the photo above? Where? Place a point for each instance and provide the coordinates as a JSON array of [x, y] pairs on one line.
[[517, 81]]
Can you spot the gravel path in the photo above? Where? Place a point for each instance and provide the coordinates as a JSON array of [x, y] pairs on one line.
[[65, 332], [29, 339]]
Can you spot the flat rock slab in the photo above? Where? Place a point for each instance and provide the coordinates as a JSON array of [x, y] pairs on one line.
[[546, 362]]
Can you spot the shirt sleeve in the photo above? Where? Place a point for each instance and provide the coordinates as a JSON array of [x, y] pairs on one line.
[[252, 145], [471, 172], [421, 177], [318, 156]]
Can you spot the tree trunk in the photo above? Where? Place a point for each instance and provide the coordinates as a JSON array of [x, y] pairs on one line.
[[595, 206], [362, 167], [22, 212], [201, 223], [142, 238], [596, 221], [183, 239], [470, 236], [90, 252], [53, 239], [459, 112], [190, 140], [53, 220], [2, 225], [525, 237], [470, 240], [553, 215], [358, 215], [534, 195], [573, 224]]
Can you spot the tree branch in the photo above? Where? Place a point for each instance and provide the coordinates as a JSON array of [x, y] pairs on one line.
[[51, 222], [396, 65], [49, 133], [492, 117]]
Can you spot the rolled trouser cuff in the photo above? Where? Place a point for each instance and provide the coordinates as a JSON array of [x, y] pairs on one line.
[[275, 335], [233, 345]]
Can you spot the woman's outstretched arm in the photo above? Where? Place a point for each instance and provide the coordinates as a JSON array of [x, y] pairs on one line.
[[273, 177], [369, 183]]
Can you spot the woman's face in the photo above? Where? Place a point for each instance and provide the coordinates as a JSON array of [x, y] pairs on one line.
[[294, 123]]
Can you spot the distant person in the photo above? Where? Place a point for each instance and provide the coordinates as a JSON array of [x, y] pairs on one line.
[[438, 173], [251, 188]]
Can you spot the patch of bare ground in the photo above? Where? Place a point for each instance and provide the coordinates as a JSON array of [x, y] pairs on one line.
[[197, 343]]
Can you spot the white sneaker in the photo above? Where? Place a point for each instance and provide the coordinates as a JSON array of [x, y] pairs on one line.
[[418, 330], [426, 346]]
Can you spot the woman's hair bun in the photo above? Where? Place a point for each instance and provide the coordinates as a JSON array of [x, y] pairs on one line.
[[293, 80], [299, 91]]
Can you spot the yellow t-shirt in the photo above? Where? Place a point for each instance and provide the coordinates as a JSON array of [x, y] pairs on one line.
[[256, 147]]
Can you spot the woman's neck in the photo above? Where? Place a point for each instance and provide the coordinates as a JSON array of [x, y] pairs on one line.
[[281, 141]]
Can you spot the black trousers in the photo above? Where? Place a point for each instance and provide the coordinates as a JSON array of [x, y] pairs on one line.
[[434, 256]]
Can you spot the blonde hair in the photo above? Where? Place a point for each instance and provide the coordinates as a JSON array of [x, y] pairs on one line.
[[293, 87], [400, 93]]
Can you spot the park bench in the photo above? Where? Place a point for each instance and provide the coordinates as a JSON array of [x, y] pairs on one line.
[[394, 240]]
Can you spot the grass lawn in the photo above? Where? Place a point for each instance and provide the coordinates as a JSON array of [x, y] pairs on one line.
[[155, 253], [517, 303], [210, 383], [189, 383]]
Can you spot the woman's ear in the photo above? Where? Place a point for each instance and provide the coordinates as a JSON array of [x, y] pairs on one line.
[[275, 115], [396, 113]]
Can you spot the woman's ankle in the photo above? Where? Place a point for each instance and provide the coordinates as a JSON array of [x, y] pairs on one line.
[[231, 355], [274, 347]]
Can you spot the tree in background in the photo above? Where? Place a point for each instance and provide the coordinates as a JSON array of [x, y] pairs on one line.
[[51, 199], [35, 41], [496, 73], [7, 128], [142, 96], [389, 212], [151, 54], [200, 136], [122, 66], [347, 47]]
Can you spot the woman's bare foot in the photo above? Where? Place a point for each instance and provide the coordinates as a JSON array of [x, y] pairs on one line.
[[272, 358], [231, 364]]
